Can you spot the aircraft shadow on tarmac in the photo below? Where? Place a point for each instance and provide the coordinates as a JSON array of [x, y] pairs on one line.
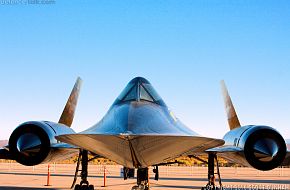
[[278, 181], [232, 180], [169, 178], [156, 187]]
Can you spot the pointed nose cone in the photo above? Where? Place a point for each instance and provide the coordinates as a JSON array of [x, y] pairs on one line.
[[29, 144], [265, 149]]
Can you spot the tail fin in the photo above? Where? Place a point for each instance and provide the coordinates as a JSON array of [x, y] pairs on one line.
[[68, 113], [233, 119]]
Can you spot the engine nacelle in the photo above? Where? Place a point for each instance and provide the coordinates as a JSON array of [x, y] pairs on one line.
[[33, 142], [263, 147]]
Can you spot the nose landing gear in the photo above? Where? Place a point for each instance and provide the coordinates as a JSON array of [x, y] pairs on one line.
[[142, 180]]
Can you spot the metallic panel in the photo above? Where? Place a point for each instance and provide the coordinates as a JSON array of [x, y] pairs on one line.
[[261, 147], [34, 142], [148, 149]]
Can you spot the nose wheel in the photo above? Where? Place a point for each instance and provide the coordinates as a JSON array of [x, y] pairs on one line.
[[142, 180]]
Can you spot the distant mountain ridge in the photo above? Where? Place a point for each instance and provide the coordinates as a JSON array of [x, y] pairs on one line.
[[3, 143]]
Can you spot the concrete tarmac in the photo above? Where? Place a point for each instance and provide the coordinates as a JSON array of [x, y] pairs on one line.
[[15, 177]]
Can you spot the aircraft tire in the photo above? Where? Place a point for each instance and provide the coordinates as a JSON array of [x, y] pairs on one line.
[[84, 187], [77, 187], [137, 188]]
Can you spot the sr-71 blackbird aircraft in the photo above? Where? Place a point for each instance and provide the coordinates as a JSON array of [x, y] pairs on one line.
[[140, 131]]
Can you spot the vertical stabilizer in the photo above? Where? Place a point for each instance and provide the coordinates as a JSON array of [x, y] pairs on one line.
[[68, 113], [232, 117]]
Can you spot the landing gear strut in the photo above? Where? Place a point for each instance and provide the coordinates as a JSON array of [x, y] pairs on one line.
[[128, 173], [142, 179], [212, 157], [156, 171], [84, 184]]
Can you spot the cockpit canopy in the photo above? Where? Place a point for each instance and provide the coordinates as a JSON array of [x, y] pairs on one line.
[[139, 89]]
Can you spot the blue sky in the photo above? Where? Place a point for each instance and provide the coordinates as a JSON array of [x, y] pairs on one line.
[[184, 48]]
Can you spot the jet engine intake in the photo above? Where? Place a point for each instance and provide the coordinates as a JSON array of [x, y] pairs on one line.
[[31, 142], [264, 147]]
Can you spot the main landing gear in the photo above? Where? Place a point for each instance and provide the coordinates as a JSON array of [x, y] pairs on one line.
[[212, 157], [142, 180], [128, 173], [84, 184]]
